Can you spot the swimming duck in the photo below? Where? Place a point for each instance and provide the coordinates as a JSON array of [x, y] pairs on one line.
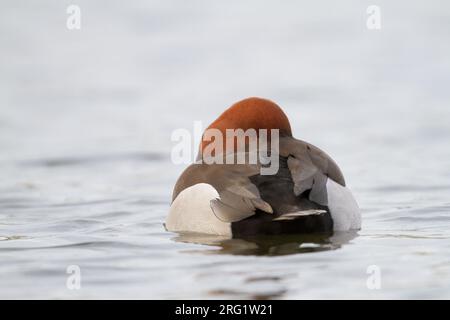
[[306, 194]]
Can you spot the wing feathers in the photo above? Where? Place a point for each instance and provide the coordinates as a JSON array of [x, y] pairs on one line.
[[303, 213], [231, 207]]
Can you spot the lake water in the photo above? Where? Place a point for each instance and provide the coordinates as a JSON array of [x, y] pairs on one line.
[[86, 118]]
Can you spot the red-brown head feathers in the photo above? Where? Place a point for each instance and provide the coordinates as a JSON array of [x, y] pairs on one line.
[[252, 113]]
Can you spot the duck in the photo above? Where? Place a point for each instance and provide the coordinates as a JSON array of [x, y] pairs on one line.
[[306, 194]]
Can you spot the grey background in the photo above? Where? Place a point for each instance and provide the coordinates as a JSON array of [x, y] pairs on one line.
[[86, 117]]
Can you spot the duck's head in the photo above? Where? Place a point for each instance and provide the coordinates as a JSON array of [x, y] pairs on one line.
[[251, 113]]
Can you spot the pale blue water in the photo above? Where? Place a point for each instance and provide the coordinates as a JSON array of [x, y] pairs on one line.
[[85, 124]]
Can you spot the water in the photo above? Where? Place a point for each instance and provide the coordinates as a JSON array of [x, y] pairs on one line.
[[85, 124]]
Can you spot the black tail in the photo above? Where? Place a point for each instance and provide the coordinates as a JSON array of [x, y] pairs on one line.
[[291, 213]]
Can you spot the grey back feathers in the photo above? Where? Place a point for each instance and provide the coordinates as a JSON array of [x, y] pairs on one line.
[[297, 190]]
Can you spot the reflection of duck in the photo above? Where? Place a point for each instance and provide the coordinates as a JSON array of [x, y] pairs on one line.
[[270, 245], [306, 194]]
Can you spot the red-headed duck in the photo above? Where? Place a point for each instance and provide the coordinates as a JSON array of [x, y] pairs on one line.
[[306, 193]]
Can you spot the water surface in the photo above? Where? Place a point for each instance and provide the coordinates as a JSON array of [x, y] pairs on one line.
[[86, 118]]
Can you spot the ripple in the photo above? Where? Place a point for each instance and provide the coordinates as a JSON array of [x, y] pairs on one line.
[[84, 203], [85, 244], [271, 294], [409, 188], [34, 204], [9, 238], [408, 236], [94, 159]]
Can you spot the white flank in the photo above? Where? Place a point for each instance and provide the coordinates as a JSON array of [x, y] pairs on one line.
[[191, 212], [343, 207]]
